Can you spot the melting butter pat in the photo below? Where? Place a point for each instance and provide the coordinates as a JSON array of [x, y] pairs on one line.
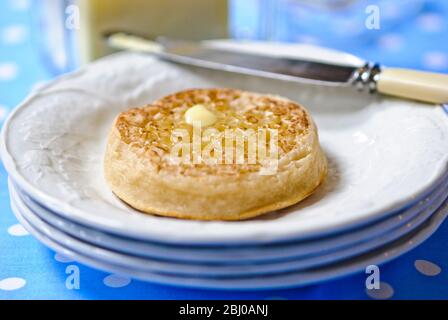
[[200, 114]]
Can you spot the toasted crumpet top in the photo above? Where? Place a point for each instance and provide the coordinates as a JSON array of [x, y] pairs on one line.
[[148, 130]]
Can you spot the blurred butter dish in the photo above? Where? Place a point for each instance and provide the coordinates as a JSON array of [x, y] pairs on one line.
[[352, 71]]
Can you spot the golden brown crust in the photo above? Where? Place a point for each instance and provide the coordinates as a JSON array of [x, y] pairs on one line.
[[139, 171], [148, 129]]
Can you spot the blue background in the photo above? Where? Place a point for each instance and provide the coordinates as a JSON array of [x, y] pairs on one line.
[[420, 41]]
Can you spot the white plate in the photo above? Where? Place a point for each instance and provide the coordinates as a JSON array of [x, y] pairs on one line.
[[223, 269], [264, 282], [384, 154], [232, 254]]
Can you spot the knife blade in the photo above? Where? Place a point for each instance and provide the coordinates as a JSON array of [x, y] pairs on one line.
[[198, 54], [410, 84], [192, 53]]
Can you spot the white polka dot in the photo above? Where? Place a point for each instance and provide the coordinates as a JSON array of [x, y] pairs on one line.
[[384, 292], [116, 281], [10, 284], [62, 258], [13, 34], [8, 71], [435, 60], [17, 230], [430, 22], [20, 4], [392, 42], [427, 268]]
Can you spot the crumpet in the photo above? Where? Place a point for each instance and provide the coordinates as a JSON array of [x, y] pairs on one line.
[[214, 154]]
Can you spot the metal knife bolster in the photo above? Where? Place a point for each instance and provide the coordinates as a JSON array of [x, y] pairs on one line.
[[366, 76]]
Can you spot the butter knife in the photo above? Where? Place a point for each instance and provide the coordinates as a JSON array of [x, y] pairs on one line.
[[404, 83]]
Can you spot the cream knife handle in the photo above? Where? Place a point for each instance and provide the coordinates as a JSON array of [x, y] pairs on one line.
[[416, 85]]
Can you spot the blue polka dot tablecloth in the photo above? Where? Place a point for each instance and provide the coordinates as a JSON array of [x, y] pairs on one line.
[[28, 270]]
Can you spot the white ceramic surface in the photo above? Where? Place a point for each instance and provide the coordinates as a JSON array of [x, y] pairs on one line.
[[232, 254], [384, 154], [222, 269], [280, 281]]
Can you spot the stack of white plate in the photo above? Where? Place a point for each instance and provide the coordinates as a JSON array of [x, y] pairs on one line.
[[386, 191]]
